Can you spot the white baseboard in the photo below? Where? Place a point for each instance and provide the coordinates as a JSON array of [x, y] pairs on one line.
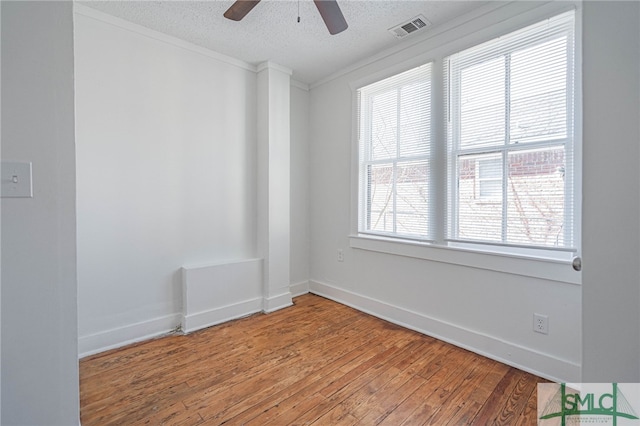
[[117, 337], [526, 359], [298, 289], [134, 333], [197, 321], [274, 303]]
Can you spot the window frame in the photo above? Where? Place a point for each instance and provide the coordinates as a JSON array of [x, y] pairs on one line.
[[364, 150], [554, 265], [505, 146]]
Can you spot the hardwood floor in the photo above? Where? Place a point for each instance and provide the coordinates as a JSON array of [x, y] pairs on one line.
[[317, 362]]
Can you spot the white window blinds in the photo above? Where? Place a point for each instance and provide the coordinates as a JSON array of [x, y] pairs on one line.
[[510, 139], [394, 120]]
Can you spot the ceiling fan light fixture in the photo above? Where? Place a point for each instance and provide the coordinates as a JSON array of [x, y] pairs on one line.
[[239, 9], [329, 10], [331, 15]]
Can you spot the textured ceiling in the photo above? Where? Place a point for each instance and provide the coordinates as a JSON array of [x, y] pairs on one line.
[[271, 31]]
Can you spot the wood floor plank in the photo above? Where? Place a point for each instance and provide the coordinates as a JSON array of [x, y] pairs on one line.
[[317, 362], [453, 393], [174, 414], [262, 354], [530, 413], [494, 375], [335, 392], [288, 370], [307, 396], [407, 407], [287, 399], [517, 401], [380, 404], [357, 402], [493, 406], [438, 388], [273, 380], [461, 407]]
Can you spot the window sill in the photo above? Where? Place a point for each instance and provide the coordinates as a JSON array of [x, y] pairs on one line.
[[525, 265]]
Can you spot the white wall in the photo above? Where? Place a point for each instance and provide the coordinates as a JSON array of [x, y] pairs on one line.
[[487, 311], [166, 174], [39, 286], [299, 190], [611, 235]]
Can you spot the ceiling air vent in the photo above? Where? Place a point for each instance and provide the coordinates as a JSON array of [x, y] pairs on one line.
[[403, 30]]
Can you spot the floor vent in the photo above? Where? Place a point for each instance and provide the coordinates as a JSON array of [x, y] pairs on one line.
[[403, 30]]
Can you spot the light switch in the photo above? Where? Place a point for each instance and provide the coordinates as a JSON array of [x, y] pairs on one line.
[[16, 180]]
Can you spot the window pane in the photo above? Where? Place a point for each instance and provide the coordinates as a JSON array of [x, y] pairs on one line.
[[394, 135], [489, 178], [482, 104], [415, 103], [380, 198], [384, 125], [412, 198], [539, 92], [510, 141], [479, 218], [536, 197]]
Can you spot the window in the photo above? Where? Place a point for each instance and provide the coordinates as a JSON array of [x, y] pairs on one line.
[[395, 138], [510, 138], [489, 178], [498, 172]]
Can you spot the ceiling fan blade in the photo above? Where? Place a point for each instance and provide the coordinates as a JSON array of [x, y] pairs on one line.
[[332, 15], [239, 9]]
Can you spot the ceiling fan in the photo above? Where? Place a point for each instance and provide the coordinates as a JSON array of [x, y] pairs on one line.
[[329, 10]]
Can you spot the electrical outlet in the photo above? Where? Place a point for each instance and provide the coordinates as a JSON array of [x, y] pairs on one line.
[[541, 323], [340, 255]]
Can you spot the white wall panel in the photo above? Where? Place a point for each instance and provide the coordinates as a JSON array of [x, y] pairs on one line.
[[166, 171], [472, 307], [611, 232], [39, 287]]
